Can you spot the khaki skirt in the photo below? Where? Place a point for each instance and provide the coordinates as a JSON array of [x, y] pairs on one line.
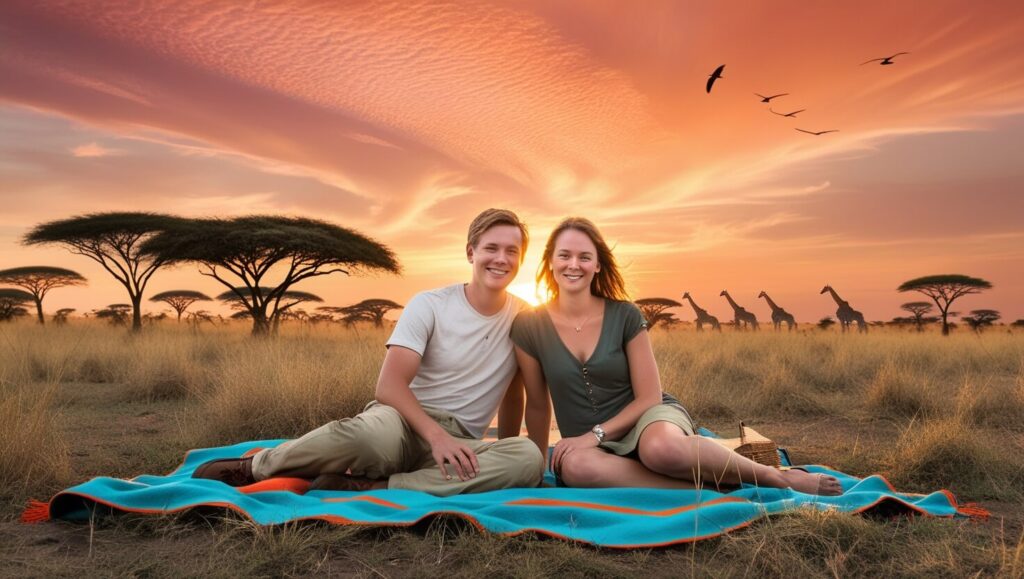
[[665, 412]]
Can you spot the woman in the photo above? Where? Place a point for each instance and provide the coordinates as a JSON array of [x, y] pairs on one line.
[[587, 345]]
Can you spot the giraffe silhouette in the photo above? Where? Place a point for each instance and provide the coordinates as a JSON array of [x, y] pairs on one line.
[[845, 314], [779, 315], [740, 315], [703, 317]]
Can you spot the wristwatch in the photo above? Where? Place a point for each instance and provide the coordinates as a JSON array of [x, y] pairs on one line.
[[598, 432]]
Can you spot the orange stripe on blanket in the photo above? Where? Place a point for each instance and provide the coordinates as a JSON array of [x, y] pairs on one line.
[[625, 510], [298, 486], [374, 500]]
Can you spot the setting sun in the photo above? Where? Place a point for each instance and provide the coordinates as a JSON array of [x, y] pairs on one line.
[[527, 291]]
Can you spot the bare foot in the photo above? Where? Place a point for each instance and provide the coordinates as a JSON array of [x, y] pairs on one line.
[[812, 483]]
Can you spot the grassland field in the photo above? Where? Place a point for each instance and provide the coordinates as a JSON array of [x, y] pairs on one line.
[[926, 411]]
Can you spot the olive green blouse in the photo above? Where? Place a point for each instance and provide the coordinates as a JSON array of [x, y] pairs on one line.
[[584, 393]]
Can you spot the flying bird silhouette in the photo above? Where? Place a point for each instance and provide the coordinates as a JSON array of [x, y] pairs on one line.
[[715, 76], [886, 60], [792, 114], [819, 132], [767, 99]]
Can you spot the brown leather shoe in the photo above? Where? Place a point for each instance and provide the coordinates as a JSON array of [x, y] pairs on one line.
[[344, 482], [236, 472]]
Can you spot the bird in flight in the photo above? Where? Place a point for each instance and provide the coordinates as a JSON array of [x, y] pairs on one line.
[[715, 76], [768, 99], [819, 132], [886, 60], [792, 114]]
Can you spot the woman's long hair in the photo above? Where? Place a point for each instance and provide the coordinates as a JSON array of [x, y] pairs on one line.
[[607, 283]]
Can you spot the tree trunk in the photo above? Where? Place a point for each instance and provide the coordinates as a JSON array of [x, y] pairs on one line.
[[260, 325], [137, 313], [39, 311], [945, 325]]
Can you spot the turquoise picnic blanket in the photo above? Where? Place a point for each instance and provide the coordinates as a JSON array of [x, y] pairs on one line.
[[614, 517]]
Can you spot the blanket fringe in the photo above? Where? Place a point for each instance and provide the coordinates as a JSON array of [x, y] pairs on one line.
[[36, 512], [974, 510]]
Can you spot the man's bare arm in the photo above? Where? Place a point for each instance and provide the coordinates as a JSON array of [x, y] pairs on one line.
[[396, 374]]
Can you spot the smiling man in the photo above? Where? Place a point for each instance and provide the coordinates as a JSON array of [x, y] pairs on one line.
[[449, 363]]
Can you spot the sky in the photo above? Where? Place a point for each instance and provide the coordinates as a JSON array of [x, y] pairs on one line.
[[405, 119]]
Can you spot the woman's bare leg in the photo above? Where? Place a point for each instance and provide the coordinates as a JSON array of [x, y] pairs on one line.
[[595, 468], [664, 448]]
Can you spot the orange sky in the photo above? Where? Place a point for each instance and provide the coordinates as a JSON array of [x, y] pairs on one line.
[[404, 119]]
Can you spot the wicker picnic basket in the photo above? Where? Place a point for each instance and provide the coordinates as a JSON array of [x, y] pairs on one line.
[[754, 446]]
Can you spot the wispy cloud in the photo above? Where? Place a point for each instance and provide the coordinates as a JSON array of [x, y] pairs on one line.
[[94, 150]]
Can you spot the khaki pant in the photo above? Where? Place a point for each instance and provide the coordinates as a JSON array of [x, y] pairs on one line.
[[377, 443]]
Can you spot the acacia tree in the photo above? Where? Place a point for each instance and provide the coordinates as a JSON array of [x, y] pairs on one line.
[[826, 323], [919, 310], [979, 319], [114, 241], [116, 314], [180, 300], [40, 279], [60, 317], [668, 320], [652, 308], [235, 299], [247, 248], [372, 310], [944, 290], [12, 303]]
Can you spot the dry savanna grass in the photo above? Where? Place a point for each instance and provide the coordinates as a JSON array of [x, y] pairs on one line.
[[925, 411]]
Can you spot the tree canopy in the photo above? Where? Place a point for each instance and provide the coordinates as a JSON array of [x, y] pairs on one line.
[[246, 249], [114, 241], [372, 310], [40, 279], [980, 319], [944, 290], [919, 311], [652, 308], [116, 314], [180, 300], [11, 303]]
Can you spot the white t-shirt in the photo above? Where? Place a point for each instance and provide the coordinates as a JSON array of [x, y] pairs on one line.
[[467, 358]]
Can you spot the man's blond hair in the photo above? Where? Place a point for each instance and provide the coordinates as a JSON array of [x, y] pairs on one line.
[[491, 217]]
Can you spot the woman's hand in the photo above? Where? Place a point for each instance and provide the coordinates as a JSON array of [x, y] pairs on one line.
[[567, 445]]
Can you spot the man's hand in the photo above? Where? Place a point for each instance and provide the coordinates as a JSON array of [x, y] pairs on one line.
[[567, 445], [446, 448]]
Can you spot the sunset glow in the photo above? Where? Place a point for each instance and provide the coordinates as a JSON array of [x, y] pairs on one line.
[[405, 119]]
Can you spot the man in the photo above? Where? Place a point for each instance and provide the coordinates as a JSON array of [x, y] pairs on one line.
[[448, 365]]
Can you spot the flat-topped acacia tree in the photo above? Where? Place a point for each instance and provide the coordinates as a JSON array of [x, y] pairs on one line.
[[180, 300], [40, 279], [114, 241], [236, 299], [652, 308], [919, 310], [372, 310], [246, 249], [12, 302], [944, 290]]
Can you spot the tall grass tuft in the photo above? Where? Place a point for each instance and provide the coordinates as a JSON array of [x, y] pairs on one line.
[[33, 452], [950, 453], [897, 389], [286, 387]]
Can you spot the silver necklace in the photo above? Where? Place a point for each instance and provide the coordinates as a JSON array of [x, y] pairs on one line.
[[579, 328]]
